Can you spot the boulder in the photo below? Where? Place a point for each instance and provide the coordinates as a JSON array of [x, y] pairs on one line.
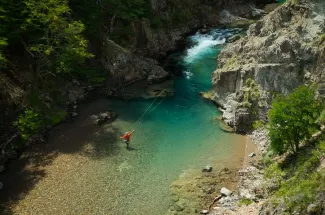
[[204, 211], [207, 169], [204, 31], [103, 117], [225, 192], [1, 185], [93, 117], [251, 154], [74, 114]]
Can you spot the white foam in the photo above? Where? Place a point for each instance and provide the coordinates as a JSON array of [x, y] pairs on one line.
[[203, 44], [188, 74]]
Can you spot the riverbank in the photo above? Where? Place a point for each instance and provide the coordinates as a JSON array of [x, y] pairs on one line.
[[86, 168], [71, 172], [195, 190]]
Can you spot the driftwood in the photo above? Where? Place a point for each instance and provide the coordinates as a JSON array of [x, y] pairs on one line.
[[4, 145], [214, 201]]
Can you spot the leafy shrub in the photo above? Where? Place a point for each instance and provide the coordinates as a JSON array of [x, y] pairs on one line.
[[292, 119], [28, 123]]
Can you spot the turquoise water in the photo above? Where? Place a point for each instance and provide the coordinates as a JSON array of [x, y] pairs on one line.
[[179, 134], [95, 173]]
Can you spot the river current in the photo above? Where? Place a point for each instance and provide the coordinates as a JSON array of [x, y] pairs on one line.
[[90, 171]]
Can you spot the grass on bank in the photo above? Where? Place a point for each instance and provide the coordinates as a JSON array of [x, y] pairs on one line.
[[296, 158], [299, 178]]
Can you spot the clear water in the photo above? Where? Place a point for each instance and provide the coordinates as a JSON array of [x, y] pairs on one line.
[[95, 174], [179, 134]]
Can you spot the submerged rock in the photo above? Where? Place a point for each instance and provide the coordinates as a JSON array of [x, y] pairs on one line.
[[251, 154], [207, 169], [103, 117], [1, 185]]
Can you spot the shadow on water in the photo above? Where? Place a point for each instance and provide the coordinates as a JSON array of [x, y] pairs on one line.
[[160, 136], [23, 174]]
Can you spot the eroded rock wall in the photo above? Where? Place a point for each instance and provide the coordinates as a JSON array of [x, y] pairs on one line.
[[125, 67], [280, 52]]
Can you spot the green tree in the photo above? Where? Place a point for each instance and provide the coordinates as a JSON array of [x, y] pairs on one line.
[[57, 39], [292, 119]]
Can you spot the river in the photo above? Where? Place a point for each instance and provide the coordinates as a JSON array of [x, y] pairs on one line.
[[89, 170]]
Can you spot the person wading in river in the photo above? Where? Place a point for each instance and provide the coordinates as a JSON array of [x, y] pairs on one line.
[[126, 138]]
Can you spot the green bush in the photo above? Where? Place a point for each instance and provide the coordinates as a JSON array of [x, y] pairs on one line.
[[292, 119], [28, 123], [245, 201]]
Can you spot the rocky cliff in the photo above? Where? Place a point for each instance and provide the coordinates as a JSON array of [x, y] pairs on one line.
[[281, 51], [153, 38], [171, 19], [125, 67]]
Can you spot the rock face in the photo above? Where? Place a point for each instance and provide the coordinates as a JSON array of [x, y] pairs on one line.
[[125, 67], [280, 52], [184, 17], [260, 137]]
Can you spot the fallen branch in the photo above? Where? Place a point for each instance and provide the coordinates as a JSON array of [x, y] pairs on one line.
[[214, 201]]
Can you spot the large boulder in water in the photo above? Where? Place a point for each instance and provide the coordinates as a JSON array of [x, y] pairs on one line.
[[103, 117], [207, 169]]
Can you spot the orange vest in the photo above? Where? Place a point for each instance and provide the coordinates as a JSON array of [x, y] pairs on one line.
[[127, 136]]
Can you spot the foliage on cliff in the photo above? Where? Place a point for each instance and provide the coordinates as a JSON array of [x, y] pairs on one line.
[[292, 119], [297, 178], [43, 46]]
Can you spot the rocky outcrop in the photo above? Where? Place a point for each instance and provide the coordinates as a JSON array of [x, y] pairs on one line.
[[280, 52], [260, 137], [174, 19], [153, 38], [104, 117], [125, 67]]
